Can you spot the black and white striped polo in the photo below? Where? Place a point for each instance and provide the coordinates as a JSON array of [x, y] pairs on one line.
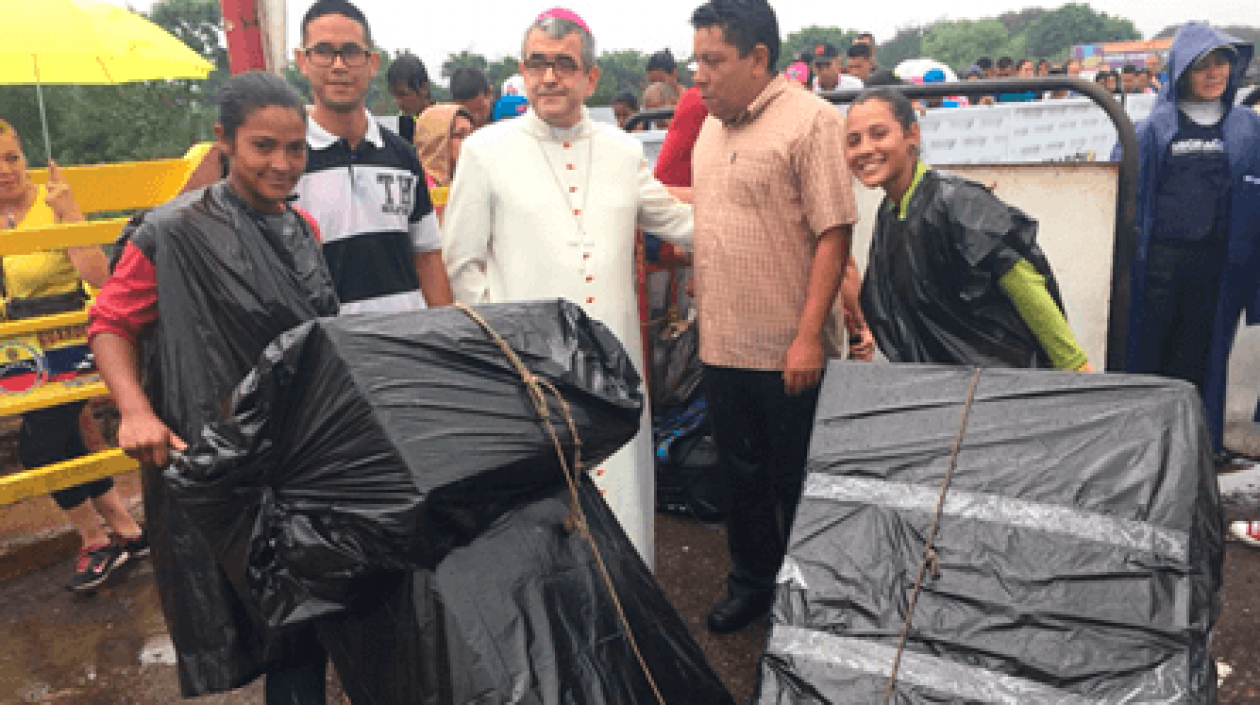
[[374, 214]]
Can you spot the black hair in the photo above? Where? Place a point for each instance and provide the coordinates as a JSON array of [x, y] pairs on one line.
[[1253, 98], [468, 83], [897, 103], [859, 51], [1128, 68], [744, 23], [1144, 72], [626, 98], [662, 60], [407, 70], [336, 7], [1021, 62], [865, 35], [884, 77], [1005, 62], [247, 92], [985, 63], [1043, 62]]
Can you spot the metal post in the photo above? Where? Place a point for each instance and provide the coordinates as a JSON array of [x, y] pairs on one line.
[[43, 117]]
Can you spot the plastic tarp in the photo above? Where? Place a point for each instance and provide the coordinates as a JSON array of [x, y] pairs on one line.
[[520, 614], [1080, 546], [385, 478], [931, 291]]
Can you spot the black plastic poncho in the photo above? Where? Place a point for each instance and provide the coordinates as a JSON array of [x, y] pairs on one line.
[[227, 286], [931, 291]]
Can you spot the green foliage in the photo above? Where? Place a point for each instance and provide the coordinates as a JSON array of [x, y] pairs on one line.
[[133, 122], [295, 78], [1017, 22], [501, 70], [21, 110], [197, 23], [810, 37], [960, 43], [150, 120], [464, 59], [624, 70], [1053, 33], [907, 43], [379, 101]]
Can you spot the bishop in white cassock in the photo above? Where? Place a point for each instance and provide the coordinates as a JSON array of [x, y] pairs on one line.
[[545, 206]]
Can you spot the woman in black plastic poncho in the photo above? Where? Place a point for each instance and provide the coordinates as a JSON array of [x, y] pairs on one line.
[[202, 285], [955, 275]]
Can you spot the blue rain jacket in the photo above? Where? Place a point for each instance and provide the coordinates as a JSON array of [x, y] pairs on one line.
[[1240, 278]]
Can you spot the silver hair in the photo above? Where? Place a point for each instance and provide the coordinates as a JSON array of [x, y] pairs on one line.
[[559, 28]]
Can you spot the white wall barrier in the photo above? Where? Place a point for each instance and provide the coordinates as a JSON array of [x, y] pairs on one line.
[[1068, 129]]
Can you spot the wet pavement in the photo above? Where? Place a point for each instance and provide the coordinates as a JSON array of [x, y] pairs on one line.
[[111, 647]]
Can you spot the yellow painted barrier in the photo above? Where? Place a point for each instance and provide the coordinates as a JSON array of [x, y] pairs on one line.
[[41, 481], [26, 344]]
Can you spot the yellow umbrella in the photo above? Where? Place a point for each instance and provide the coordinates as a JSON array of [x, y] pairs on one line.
[[85, 42]]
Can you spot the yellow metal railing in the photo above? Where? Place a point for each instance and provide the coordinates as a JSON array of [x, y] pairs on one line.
[[97, 189]]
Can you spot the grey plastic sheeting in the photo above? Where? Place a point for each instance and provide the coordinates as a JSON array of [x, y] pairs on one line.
[[1080, 547]]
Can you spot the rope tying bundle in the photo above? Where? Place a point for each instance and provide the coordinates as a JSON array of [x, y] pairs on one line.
[[577, 518], [931, 564]]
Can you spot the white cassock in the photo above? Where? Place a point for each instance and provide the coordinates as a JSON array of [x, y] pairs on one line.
[[537, 212]]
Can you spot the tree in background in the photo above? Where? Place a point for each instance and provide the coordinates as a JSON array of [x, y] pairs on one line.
[[1017, 22], [1245, 33], [1054, 32], [150, 120], [809, 37], [501, 70], [464, 59], [907, 43], [20, 108], [197, 23], [961, 42], [623, 70]]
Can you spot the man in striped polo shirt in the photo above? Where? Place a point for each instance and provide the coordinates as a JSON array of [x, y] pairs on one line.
[[363, 184]]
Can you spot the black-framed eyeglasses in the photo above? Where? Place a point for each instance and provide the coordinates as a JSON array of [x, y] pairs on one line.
[[324, 54], [564, 65]]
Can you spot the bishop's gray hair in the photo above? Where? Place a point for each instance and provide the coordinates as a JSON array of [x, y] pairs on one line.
[[559, 28]]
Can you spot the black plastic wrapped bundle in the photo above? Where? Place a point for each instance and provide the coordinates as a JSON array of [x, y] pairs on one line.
[[380, 441], [521, 614], [1080, 547]]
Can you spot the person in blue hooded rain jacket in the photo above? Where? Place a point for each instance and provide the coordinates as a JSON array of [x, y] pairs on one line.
[[1197, 265]]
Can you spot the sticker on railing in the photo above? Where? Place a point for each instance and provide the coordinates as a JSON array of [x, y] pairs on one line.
[[28, 362], [23, 367]]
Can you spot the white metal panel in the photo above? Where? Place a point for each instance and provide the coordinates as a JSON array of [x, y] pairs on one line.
[[271, 17]]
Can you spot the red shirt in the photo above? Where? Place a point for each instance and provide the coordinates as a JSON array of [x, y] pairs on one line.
[[673, 165]]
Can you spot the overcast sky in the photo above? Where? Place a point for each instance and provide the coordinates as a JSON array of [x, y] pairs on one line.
[[433, 30]]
